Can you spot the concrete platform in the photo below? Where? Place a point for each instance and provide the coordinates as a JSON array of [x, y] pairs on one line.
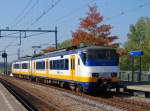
[[145, 88], [8, 102]]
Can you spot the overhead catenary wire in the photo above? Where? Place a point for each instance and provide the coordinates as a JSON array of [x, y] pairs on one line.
[[63, 18], [13, 54], [71, 12], [32, 35], [121, 13], [52, 6], [21, 13], [128, 11], [46, 44], [74, 11], [25, 36], [28, 35], [7, 35], [28, 11], [17, 18], [20, 19], [11, 42], [45, 12]]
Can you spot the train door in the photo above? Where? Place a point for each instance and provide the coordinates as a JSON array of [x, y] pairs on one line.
[[33, 68], [72, 58], [46, 67]]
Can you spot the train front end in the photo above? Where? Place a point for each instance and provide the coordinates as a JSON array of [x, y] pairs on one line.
[[102, 67]]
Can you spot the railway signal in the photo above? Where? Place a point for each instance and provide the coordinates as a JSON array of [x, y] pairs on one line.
[[4, 56]]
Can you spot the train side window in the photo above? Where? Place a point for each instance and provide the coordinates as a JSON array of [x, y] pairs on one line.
[[40, 65], [54, 64], [51, 65], [25, 66], [57, 65], [43, 65], [61, 64], [66, 65]]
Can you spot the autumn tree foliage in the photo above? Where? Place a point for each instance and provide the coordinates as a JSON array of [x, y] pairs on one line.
[[122, 52], [48, 49], [91, 30]]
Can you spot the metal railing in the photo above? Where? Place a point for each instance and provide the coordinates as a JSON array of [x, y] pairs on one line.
[[127, 76]]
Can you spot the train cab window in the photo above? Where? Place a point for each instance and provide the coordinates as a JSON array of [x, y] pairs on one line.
[[25, 66], [40, 65], [78, 61], [83, 57], [16, 66]]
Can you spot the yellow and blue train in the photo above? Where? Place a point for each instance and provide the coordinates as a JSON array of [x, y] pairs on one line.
[[87, 68]]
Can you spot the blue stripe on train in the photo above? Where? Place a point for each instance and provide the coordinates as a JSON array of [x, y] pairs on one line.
[[101, 63]]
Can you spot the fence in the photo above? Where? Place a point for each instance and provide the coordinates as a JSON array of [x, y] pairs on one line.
[[127, 76]]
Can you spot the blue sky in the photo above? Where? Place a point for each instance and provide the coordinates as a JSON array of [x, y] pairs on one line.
[[20, 14]]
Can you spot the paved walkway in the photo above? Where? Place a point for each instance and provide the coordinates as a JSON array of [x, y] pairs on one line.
[[139, 87], [8, 102]]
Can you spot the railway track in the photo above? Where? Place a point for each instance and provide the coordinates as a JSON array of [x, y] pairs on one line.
[[120, 103], [113, 100], [13, 90], [29, 101]]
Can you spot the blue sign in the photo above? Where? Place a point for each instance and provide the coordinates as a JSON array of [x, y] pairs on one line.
[[136, 53]]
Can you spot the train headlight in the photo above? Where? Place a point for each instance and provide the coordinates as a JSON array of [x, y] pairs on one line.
[[95, 74]]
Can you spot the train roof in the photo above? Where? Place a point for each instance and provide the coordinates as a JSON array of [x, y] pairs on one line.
[[67, 51], [26, 58], [70, 50]]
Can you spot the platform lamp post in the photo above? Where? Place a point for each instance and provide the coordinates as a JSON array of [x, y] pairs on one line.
[[141, 35]]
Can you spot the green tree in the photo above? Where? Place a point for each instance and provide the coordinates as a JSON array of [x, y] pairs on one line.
[[64, 44], [138, 39]]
